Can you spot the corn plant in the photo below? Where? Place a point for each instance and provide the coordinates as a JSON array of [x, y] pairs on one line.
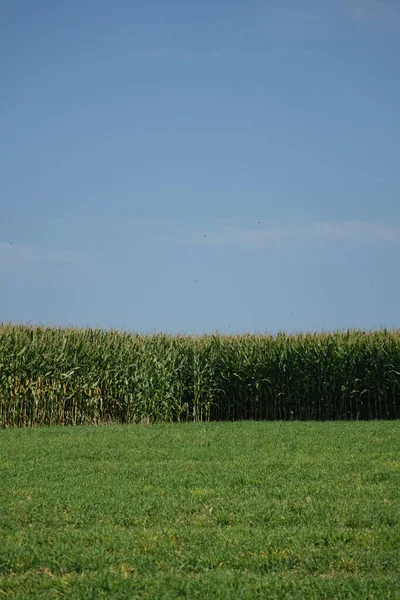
[[70, 376]]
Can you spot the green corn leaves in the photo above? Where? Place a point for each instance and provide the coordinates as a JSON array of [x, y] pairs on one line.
[[73, 376]]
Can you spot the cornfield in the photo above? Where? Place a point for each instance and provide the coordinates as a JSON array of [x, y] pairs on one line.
[[55, 376]]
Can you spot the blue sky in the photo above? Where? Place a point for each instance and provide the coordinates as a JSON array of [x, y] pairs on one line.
[[185, 166]]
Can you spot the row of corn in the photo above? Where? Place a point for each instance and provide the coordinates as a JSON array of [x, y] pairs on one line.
[[77, 376]]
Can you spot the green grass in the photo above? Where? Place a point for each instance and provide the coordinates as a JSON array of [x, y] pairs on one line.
[[221, 510]]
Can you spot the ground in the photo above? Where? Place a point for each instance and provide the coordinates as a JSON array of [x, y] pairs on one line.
[[221, 510]]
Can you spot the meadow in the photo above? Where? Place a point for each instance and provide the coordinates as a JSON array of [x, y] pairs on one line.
[[247, 510], [55, 376]]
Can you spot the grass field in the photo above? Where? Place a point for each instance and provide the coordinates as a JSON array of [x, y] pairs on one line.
[[273, 510]]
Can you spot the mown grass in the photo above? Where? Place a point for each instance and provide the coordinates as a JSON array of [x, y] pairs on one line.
[[55, 376], [221, 510]]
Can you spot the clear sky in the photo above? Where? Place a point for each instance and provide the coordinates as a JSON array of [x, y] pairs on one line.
[[199, 166]]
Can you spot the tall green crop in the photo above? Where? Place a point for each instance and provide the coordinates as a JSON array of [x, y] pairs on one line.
[[76, 376]]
